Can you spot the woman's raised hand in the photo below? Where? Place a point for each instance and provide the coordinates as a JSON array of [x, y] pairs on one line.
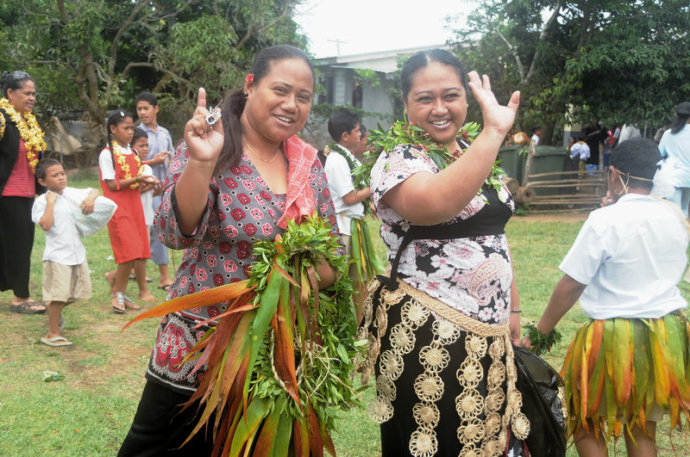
[[204, 141], [496, 117]]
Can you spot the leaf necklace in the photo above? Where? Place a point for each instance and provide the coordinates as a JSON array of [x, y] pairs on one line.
[[29, 130], [408, 133]]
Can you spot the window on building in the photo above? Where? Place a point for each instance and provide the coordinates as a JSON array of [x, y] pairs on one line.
[[357, 95], [327, 97]]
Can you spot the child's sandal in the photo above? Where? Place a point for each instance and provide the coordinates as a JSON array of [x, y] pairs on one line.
[[129, 304], [120, 308]]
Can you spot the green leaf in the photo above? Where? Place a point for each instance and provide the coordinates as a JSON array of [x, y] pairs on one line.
[[248, 425]]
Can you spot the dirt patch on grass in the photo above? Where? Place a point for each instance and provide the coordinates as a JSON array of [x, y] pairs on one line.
[[102, 358], [110, 354]]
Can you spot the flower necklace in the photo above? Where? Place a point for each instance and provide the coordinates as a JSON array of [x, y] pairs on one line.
[[407, 133], [29, 131], [122, 162]]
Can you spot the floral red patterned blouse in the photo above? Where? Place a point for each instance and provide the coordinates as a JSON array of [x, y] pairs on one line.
[[241, 207]]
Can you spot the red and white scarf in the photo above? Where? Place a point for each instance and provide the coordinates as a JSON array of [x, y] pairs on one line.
[[299, 200]]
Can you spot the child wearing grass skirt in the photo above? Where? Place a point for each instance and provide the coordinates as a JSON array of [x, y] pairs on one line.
[[627, 366]]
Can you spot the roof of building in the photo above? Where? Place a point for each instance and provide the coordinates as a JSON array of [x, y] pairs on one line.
[[381, 61]]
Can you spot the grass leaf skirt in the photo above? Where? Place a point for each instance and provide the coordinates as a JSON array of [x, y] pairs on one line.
[[626, 372]]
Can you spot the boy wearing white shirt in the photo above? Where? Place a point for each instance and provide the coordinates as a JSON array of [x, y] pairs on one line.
[[344, 128], [65, 270], [624, 268]]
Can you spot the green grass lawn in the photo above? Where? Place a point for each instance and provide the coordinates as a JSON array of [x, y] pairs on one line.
[[89, 411]]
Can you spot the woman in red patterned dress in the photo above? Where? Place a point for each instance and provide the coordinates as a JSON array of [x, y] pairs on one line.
[[240, 175]]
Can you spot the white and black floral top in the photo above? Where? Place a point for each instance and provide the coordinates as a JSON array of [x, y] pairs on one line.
[[472, 274]]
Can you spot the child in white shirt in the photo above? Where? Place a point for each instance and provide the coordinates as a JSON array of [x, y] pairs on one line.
[[65, 270]]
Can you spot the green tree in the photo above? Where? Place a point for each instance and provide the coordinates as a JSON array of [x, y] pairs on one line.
[[622, 61], [95, 55]]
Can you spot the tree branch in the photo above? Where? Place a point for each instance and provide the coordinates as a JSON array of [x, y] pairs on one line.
[[515, 55], [542, 37], [131, 20], [86, 90], [151, 65], [116, 41], [253, 29], [247, 36], [63, 12]]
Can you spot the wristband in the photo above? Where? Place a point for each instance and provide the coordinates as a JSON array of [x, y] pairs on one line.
[[516, 311]]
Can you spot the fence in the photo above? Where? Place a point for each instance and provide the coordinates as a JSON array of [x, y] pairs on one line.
[[567, 189]]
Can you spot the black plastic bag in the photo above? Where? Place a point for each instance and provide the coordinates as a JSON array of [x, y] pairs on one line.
[[539, 384]]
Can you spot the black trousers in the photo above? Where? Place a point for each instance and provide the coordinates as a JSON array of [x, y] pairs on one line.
[[159, 428], [16, 242]]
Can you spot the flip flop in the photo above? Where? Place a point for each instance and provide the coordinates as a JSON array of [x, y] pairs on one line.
[[165, 287], [56, 341], [27, 307]]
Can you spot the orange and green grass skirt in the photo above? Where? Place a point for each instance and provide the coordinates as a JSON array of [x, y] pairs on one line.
[[619, 371]]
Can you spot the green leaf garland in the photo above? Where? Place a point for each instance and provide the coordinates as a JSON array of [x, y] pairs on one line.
[[280, 360], [405, 133], [541, 342]]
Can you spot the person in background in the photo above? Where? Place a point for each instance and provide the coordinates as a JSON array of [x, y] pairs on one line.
[[659, 134], [675, 144], [595, 135], [628, 132], [363, 145], [624, 267], [160, 146], [536, 133], [66, 276], [21, 147], [122, 181], [140, 145], [344, 128], [579, 151]]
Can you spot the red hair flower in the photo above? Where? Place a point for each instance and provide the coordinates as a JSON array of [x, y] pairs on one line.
[[249, 78]]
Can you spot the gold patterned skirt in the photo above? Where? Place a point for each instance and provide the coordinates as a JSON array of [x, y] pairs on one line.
[[445, 382], [626, 372]]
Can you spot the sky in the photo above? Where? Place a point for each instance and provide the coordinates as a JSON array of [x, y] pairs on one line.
[[363, 26]]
